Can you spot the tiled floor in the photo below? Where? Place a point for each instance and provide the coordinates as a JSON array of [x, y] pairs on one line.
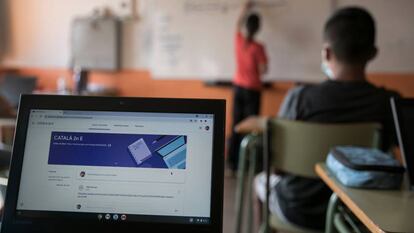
[[229, 209]]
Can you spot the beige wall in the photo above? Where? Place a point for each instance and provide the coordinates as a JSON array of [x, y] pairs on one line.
[[38, 31]]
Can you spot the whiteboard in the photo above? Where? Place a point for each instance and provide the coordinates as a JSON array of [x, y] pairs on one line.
[[95, 43], [194, 38], [395, 33]]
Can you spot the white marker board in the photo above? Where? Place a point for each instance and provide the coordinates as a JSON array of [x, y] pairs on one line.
[[95, 43], [194, 38]]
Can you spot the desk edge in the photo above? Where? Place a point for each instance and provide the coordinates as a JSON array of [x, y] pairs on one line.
[[322, 173]]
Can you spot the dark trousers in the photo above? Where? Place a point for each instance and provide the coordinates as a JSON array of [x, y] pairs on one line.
[[246, 103]]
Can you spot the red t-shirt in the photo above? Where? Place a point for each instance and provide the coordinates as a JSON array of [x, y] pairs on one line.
[[248, 57]]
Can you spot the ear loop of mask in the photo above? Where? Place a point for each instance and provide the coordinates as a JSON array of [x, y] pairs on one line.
[[325, 68]]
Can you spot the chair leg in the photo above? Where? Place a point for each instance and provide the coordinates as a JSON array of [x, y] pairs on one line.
[[340, 224], [244, 148], [252, 170], [330, 214], [264, 228], [266, 164]]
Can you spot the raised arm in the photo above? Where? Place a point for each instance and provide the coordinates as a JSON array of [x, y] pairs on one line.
[[247, 6]]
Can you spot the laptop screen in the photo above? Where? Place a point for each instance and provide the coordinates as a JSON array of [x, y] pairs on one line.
[[118, 166], [403, 110]]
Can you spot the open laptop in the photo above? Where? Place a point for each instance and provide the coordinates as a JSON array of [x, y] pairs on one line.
[[103, 164], [13, 86], [403, 112]]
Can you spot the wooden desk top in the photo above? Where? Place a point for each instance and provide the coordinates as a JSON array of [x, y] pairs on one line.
[[379, 210], [252, 124]]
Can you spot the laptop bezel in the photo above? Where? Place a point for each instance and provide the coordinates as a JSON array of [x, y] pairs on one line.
[[11, 223], [397, 104]]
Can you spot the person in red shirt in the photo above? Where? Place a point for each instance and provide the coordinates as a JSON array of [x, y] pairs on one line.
[[251, 64]]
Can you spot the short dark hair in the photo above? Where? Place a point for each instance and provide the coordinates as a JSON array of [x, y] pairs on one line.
[[252, 25], [351, 34]]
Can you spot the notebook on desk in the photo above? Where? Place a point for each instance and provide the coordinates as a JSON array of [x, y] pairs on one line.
[[403, 112], [99, 164]]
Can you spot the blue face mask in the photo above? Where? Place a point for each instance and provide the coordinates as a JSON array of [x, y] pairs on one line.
[[326, 70]]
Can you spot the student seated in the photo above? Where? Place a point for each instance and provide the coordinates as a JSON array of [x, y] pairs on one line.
[[347, 96]]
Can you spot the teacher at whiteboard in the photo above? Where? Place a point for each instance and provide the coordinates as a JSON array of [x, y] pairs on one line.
[[251, 64]]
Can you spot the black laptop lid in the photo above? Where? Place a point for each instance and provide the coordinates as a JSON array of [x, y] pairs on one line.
[[100, 164], [403, 111]]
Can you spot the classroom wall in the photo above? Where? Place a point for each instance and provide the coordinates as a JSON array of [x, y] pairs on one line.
[[36, 33], [140, 83]]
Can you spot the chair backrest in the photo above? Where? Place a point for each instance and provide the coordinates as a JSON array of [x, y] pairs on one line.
[[297, 146]]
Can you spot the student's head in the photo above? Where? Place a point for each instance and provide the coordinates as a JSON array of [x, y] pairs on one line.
[[252, 25], [349, 38]]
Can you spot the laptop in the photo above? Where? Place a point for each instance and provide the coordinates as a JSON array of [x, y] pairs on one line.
[[13, 86], [105, 164], [403, 112]]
